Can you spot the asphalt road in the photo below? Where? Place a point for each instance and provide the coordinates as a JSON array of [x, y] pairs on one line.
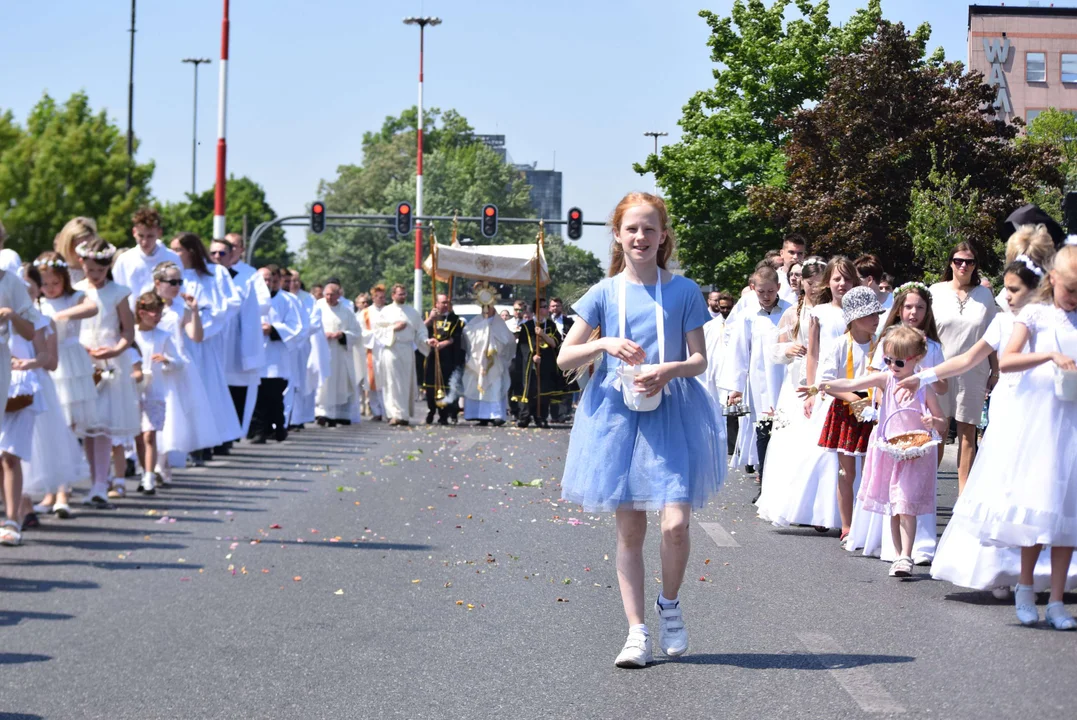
[[372, 572]]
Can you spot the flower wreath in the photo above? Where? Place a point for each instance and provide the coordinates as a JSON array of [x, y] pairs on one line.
[[50, 263], [911, 285], [105, 254]]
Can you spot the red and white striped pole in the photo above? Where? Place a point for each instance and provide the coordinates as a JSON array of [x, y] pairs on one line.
[[222, 102]]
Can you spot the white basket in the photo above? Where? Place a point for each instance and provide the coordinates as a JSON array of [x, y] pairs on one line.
[[636, 399], [909, 452], [1065, 384]]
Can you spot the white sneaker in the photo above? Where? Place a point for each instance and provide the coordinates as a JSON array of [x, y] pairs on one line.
[[148, 486], [1024, 599], [901, 568], [636, 653], [672, 635], [11, 534], [98, 495]]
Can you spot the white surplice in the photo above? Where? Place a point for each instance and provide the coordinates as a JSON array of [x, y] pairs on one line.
[[246, 356], [338, 393], [134, 269], [313, 362], [396, 358], [490, 347]]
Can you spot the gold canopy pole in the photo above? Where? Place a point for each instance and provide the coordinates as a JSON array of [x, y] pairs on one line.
[[439, 381], [538, 296]]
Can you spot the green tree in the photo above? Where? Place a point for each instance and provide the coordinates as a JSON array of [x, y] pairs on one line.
[[943, 211], [66, 161], [245, 197], [1056, 131], [765, 69], [855, 158], [461, 174]]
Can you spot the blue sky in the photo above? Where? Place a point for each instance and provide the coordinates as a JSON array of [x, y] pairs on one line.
[[582, 80]]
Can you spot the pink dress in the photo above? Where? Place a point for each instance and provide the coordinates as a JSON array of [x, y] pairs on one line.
[[898, 487]]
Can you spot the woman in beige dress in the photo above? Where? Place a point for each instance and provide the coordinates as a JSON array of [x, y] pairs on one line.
[[963, 309]]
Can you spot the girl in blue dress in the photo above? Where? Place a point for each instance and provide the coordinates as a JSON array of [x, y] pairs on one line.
[[669, 458]]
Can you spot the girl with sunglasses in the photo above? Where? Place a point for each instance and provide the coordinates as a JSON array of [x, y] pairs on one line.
[[911, 308], [902, 489], [963, 310]]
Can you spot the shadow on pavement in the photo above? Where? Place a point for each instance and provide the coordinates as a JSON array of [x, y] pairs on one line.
[[19, 659], [107, 564], [349, 545], [19, 716], [22, 585], [14, 617], [984, 597], [789, 661]]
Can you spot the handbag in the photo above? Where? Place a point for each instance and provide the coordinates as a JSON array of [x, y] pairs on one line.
[[635, 399], [19, 402]]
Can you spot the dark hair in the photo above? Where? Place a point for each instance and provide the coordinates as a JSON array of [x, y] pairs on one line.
[[887, 277], [795, 239], [1024, 273], [869, 265], [963, 246], [150, 301], [146, 216], [273, 269], [334, 281], [535, 304], [31, 273], [771, 254], [61, 270], [95, 245], [224, 242], [194, 246], [808, 270], [557, 300], [723, 295]]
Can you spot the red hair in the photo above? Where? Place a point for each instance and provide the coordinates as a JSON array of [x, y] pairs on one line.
[[665, 250]]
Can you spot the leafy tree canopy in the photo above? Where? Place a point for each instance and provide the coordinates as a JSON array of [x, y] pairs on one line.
[[765, 69], [245, 198], [66, 161]]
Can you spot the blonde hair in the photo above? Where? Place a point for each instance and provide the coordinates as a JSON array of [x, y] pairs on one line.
[[76, 231], [665, 250], [1065, 263], [1032, 241], [902, 341]]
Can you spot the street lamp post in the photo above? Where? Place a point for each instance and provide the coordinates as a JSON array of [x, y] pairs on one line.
[[194, 136], [655, 134], [131, 102], [417, 299]]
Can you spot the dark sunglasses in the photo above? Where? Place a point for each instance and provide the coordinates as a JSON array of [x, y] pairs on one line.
[[963, 262], [895, 362], [219, 253], [173, 283]]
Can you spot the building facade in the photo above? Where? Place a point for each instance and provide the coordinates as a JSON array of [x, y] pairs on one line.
[[545, 184], [1029, 54]]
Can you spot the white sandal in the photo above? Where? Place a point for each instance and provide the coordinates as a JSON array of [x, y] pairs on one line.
[[10, 533]]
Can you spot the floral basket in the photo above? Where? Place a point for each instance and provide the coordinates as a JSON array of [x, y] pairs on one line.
[[909, 444]]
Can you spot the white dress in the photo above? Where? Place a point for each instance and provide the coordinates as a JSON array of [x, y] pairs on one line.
[[218, 303], [189, 419], [55, 461], [73, 375], [961, 558], [1029, 469], [810, 494], [117, 396], [959, 329], [870, 532], [17, 432]]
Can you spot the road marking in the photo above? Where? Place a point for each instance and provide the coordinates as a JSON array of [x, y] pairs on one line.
[[718, 534], [857, 681]]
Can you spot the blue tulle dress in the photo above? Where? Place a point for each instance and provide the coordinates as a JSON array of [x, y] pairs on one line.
[[644, 460]]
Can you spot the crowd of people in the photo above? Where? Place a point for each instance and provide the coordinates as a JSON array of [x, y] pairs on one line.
[[838, 391], [157, 355]]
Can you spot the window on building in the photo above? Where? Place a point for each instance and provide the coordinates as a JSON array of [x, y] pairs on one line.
[[1036, 67], [1069, 67], [1031, 115]]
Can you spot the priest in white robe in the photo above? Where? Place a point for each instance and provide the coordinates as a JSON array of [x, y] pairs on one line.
[[282, 329], [246, 356], [399, 331], [338, 393], [313, 359], [490, 347], [368, 319]]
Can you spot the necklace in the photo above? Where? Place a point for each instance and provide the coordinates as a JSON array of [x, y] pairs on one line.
[[962, 302]]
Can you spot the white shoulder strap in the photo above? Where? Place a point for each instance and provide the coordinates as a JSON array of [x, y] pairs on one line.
[[659, 315]]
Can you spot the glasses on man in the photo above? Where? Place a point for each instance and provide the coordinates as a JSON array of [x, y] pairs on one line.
[[963, 262], [219, 253]]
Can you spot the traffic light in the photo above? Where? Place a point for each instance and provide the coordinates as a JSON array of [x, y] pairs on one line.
[[575, 223], [404, 219], [317, 217], [489, 221]]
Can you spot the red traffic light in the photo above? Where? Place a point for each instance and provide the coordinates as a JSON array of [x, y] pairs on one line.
[[575, 214], [490, 211], [318, 208], [404, 208]]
